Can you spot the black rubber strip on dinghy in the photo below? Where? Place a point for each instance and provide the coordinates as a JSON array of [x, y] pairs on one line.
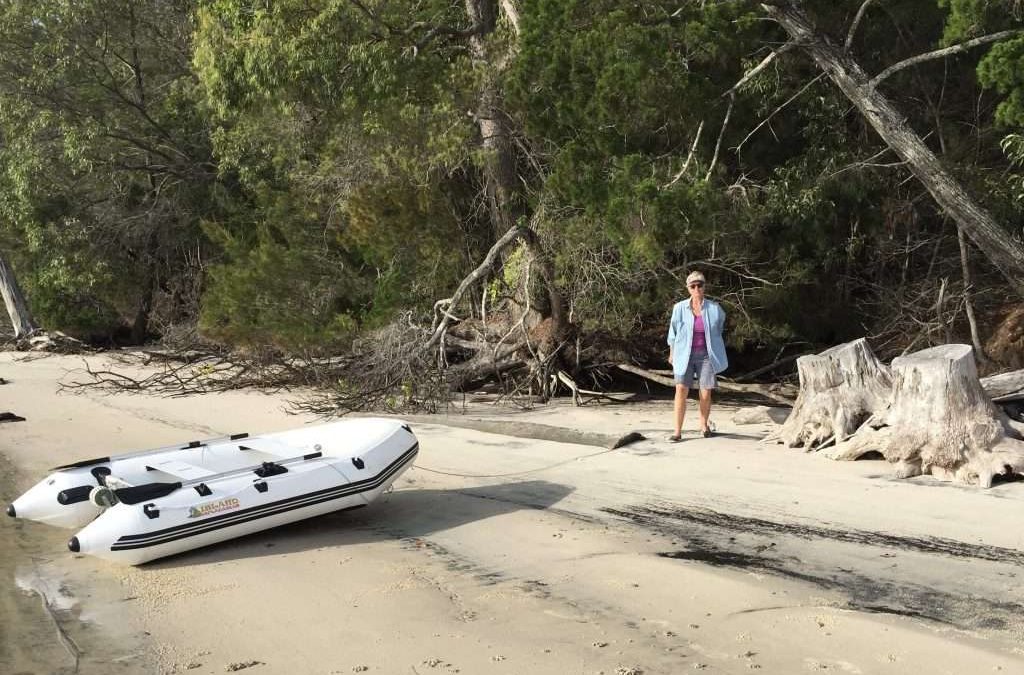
[[84, 462], [141, 493]]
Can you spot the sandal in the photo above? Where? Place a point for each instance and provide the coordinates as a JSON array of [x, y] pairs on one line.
[[675, 438]]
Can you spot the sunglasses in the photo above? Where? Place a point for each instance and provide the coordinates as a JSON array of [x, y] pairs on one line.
[[698, 284]]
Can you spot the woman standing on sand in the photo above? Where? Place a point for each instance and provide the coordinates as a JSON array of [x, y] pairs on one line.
[[696, 351]]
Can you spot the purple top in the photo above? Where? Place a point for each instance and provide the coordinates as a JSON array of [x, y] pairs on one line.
[[699, 344]]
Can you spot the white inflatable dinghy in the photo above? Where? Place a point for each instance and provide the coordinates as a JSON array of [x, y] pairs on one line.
[[145, 505]]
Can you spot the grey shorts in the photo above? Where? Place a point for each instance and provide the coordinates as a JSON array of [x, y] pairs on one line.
[[698, 370]]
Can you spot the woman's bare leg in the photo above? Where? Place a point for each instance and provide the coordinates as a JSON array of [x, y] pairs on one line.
[[705, 408], [682, 391]]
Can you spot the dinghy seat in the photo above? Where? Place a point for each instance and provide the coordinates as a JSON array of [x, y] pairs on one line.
[[180, 469]]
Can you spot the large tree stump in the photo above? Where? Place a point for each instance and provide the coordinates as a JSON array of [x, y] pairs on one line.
[[940, 421], [840, 389]]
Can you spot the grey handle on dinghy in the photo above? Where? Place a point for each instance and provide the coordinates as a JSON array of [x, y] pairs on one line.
[[190, 445]]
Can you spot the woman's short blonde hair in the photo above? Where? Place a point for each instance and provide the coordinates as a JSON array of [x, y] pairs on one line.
[[694, 276]]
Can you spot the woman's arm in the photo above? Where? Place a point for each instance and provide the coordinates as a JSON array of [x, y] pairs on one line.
[[671, 334]]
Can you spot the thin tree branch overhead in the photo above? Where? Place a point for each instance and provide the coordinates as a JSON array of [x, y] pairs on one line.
[[942, 53], [856, 23], [765, 62]]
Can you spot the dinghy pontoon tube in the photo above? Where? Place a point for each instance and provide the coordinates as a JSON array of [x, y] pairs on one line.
[[280, 479], [62, 498]]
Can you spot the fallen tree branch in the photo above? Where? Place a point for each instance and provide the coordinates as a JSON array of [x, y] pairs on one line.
[[214, 373], [771, 366], [482, 269], [1005, 386], [735, 387]]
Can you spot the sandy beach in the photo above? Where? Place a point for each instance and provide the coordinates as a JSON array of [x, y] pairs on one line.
[[503, 552]]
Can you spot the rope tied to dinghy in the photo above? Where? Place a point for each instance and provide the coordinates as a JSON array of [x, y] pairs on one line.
[[516, 473]]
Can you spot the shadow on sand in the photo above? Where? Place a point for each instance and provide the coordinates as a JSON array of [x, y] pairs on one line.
[[406, 513]]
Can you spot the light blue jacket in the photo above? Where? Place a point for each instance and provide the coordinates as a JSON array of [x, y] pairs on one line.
[[680, 335]]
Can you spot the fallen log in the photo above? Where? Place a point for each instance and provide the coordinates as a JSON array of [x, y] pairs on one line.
[[759, 389], [1005, 386]]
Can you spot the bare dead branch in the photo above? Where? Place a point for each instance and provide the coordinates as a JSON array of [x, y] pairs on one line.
[[941, 53], [512, 12], [779, 109], [761, 389], [856, 22], [718, 142], [689, 158], [482, 269], [752, 73]]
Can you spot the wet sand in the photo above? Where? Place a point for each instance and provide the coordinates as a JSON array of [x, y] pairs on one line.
[[58, 615], [505, 551]]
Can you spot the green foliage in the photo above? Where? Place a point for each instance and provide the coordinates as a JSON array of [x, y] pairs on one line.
[[1002, 64], [408, 235], [67, 282], [1013, 146], [1003, 70], [363, 126], [104, 155], [274, 289], [310, 169]]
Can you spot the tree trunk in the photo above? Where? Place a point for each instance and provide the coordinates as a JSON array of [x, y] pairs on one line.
[[965, 268], [995, 243], [14, 300], [140, 327], [502, 188], [940, 422], [840, 389]]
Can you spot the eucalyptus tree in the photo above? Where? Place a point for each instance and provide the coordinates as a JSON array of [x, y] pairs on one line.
[[833, 56], [105, 156], [390, 119], [15, 303]]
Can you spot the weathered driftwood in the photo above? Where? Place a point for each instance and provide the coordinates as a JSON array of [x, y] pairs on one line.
[[1005, 386], [939, 421], [51, 341], [761, 414], [840, 389]]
